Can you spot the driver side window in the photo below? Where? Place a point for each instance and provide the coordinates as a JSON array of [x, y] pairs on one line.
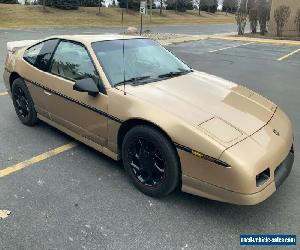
[[72, 61]]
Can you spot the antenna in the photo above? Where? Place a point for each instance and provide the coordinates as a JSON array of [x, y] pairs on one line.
[[123, 51]]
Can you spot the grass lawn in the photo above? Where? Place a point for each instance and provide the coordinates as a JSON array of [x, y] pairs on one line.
[[21, 16]]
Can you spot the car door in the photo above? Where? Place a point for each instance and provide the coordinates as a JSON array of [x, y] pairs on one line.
[[79, 112], [38, 59]]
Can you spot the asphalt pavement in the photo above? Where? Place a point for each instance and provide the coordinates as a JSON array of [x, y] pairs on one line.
[[81, 199]]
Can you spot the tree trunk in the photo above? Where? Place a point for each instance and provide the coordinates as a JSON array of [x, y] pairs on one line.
[[262, 31], [253, 26], [44, 5], [161, 6], [199, 7], [278, 31], [99, 3], [151, 3]]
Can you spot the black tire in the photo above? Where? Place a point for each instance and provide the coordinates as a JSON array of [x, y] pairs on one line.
[[158, 155], [23, 103]]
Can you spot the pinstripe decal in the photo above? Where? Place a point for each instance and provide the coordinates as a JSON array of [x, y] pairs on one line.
[[98, 111], [201, 155]]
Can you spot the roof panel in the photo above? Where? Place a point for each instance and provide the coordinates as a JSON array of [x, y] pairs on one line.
[[96, 38]]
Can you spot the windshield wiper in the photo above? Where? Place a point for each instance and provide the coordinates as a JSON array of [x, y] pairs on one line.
[[133, 80], [175, 73]]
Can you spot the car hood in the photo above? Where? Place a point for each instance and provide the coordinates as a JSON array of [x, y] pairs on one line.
[[198, 97]]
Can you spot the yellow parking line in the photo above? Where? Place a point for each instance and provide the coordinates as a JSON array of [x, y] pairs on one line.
[[288, 55], [3, 93], [35, 159], [4, 214]]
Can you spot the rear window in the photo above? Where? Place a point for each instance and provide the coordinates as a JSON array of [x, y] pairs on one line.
[[41, 54]]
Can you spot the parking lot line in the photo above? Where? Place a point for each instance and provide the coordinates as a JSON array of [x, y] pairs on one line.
[[3, 93], [231, 47], [36, 159], [288, 55]]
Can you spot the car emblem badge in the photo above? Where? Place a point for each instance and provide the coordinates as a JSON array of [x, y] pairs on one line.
[[276, 132]]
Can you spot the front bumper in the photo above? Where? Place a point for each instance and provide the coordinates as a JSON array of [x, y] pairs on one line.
[[284, 169], [201, 188]]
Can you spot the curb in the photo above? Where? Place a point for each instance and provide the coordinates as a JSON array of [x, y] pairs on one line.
[[184, 39], [191, 38]]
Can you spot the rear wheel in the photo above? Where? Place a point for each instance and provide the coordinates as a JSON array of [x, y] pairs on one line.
[[150, 160], [23, 103]]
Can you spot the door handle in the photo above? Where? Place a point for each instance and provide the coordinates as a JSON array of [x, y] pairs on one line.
[[47, 93]]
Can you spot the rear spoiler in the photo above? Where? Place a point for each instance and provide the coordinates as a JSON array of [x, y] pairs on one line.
[[12, 47]]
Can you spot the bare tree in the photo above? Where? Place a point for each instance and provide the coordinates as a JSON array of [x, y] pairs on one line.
[[151, 6], [100, 3], [263, 8], [297, 21], [241, 20], [161, 6], [281, 15], [247, 5], [198, 4], [253, 19]]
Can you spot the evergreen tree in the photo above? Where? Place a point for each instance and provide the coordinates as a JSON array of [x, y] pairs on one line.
[[230, 6], [209, 5], [88, 3], [66, 4], [9, 1], [179, 5], [131, 4], [45, 2]]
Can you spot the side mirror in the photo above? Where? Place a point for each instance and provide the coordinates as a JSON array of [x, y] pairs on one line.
[[86, 85]]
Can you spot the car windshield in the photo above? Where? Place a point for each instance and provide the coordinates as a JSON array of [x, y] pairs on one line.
[[144, 61]]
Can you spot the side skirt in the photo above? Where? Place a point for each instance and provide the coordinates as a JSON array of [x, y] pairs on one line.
[[82, 139]]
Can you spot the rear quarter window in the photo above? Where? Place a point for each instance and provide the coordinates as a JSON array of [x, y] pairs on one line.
[[40, 55], [32, 53]]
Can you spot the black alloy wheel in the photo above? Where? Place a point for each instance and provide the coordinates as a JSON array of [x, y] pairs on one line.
[[146, 162], [150, 160], [23, 103]]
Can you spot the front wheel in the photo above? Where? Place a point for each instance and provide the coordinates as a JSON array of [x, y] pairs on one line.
[[150, 160]]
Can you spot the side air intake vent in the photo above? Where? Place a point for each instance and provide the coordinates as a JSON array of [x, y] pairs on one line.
[[262, 177]]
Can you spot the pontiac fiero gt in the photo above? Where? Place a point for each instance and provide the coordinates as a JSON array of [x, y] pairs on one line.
[[131, 99]]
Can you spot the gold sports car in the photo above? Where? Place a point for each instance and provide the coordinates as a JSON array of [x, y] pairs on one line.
[[131, 99]]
